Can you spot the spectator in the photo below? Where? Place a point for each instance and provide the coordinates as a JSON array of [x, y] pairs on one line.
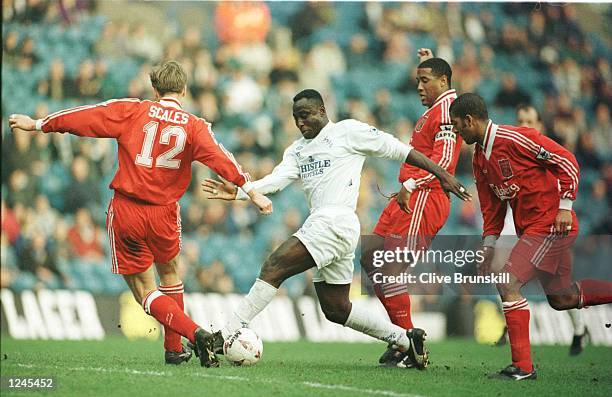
[[10, 50], [242, 93], [215, 279], [142, 45], [81, 190], [242, 22], [602, 130], [85, 238], [27, 55], [39, 259], [10, 225], [586, 154], [88, 84], [510, 95], [311, 17], [57, 86]]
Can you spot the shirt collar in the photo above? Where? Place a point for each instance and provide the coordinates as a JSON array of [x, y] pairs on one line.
[[171, 102], [323, 131], [489, 137], [445, 95]]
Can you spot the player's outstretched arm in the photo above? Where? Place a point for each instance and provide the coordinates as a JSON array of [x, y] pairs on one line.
[[448, 182]]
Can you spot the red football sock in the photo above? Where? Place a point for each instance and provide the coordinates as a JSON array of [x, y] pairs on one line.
[[169, 314], [172, 340], [594, 292], [396, 302], [517, 319], [398, 308]]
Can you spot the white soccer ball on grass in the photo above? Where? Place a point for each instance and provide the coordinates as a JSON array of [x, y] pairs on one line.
[[243, 347]]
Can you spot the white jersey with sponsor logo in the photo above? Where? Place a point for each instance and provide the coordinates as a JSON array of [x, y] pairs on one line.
[[330, 164]]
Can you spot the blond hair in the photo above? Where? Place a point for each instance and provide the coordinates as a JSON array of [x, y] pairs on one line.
[[169, 77]]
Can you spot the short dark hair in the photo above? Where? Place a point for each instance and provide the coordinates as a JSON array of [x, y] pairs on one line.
[[439, 67], [524, 106], [309, 94], [471, 104]]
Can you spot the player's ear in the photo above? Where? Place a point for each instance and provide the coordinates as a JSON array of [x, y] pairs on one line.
[[444, 80], [469, 120]]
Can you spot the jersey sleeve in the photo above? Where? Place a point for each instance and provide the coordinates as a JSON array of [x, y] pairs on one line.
[[557, 159], [103, 120], [212, 154], [369, 141], [492, 208], [443, 153], [281, 176]]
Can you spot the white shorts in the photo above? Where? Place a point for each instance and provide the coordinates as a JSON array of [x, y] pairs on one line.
[[331, 236]]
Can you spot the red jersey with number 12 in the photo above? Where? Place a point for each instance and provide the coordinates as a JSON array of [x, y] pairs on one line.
[[157, 141]]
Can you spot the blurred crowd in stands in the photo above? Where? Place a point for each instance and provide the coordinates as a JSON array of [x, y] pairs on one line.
[[246, 60]]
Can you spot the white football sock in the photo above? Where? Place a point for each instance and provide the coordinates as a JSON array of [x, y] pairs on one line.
[[260, 295], [376, 326], [578, 320]]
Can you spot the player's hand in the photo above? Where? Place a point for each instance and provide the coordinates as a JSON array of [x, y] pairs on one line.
[[424, 54], [22, 122], [262, 202], [403, 200], [450, 184], [484, 267], [563, 222], [219, 190]]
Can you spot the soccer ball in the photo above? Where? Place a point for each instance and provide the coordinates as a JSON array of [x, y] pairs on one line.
[[244, 347]]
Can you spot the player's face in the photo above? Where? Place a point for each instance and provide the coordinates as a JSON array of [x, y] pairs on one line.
[[465, 128], [528, 117], [309, 117], [429, 86]]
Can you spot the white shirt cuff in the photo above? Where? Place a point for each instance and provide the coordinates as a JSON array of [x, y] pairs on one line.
[[405, 151], [410, 185], [241, 195], [489, 241], [565, 204], [247, 187], [39, 124]]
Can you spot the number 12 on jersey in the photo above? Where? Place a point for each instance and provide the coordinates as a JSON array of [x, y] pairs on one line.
[[166, 159]]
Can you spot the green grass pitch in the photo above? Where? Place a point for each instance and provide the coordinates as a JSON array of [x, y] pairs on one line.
[[118, 367]]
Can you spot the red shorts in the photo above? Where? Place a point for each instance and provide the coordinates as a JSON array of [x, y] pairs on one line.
[[547, 257], [141, 234], [430, 209]]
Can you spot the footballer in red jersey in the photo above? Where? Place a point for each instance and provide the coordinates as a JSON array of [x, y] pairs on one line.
[[157, 142], [538, 178], [421, 207]]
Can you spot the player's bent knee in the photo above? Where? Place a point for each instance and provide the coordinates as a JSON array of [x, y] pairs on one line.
[[561, 302]]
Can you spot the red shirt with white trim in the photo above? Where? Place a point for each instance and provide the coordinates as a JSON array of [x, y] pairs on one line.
[[532, 173], [157, 142], [434, 137]]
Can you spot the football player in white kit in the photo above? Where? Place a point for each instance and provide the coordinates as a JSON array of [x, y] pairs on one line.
[[328, 160], [528, 116]]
